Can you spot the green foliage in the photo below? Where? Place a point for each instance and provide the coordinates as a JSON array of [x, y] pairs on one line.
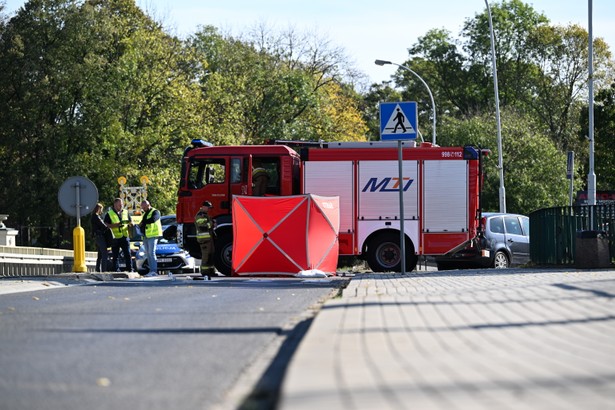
[[266, 87], [534, 169], [542, 79], [377, 93], [458, 88], [94, 89], [604, 138]]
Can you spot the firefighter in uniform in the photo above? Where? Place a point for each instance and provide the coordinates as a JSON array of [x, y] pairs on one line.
[[205, 237], [260, 179], [118, 220]]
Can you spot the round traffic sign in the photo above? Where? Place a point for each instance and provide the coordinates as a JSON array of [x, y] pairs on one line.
[[78, 192]]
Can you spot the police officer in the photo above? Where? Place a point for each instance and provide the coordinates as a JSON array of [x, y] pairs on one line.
[[118, 220], [205, 237]]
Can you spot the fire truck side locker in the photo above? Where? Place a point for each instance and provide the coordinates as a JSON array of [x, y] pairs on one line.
[[369, 199], [378, 193], [445, 205]]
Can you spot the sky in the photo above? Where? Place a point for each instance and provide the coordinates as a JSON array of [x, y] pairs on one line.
[[365, 29]]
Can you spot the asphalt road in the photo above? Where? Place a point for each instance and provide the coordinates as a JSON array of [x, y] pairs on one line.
[[143, 344]]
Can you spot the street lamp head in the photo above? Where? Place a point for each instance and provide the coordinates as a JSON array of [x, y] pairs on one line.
[[382, 62]]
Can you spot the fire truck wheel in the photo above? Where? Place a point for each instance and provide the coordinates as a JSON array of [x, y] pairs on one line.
[[384, 253], [500, 260], [222, 253]]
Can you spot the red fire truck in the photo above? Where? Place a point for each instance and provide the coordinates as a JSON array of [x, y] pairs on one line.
[[441, 200]]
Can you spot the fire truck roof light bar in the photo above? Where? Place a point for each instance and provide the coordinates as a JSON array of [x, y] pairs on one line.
[[292, 143], [198, 143], [371, 144]]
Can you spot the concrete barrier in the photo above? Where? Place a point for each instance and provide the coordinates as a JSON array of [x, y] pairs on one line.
[[30, 261]]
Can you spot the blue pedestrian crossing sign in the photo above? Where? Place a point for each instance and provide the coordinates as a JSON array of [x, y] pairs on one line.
[[398, 120]]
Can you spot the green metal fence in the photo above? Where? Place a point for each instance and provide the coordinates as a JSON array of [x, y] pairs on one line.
[[553, 231]]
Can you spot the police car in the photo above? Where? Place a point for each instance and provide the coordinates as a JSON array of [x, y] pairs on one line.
[[170, 257]]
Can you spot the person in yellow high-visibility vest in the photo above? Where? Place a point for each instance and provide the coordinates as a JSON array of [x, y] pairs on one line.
[[151, 229], [118, 220], [205, 237]]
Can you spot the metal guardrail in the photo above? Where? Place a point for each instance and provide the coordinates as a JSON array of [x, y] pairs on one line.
[[553, 231], [29, 261]]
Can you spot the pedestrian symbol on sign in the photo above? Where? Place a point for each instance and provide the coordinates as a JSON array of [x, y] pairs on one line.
[[400, 118]]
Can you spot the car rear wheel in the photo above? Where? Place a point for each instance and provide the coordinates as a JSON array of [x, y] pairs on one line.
[[500, 260]]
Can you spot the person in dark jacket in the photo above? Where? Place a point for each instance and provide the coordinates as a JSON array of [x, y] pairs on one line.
[[205, 237], [100, 236]]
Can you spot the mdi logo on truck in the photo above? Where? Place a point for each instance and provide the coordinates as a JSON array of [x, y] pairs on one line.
[[442, 188]]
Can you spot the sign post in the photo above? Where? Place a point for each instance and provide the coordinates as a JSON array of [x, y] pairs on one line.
[[78, 196], [570, 174], [402, 117]]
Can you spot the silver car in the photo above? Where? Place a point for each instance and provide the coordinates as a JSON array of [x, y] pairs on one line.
[[170, 257], [507, 239], [505, 243]]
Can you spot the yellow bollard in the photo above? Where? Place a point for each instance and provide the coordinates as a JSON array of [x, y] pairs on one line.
[[79, 250]]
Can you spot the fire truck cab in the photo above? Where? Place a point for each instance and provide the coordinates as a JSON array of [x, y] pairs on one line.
[[216, 174], [441, 194]]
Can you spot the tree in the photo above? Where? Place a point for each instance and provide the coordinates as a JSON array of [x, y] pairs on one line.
[[514, 23], [90, 88], [542, 79], [336, 117], [458, 87], [34, 105], [96, 88], [604, 138], [377, 93], [542, 69], [264, 86], [561, 54], [534, 168]]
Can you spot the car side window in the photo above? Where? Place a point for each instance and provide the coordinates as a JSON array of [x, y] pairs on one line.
[[496, 225], [526, 226], [512, 225]]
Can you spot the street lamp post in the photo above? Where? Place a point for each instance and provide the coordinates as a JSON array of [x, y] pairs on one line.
[[497, 113], [433, 104], [591, 176]]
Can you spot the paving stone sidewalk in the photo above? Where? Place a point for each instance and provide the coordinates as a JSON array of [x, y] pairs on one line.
[[513, 339]]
